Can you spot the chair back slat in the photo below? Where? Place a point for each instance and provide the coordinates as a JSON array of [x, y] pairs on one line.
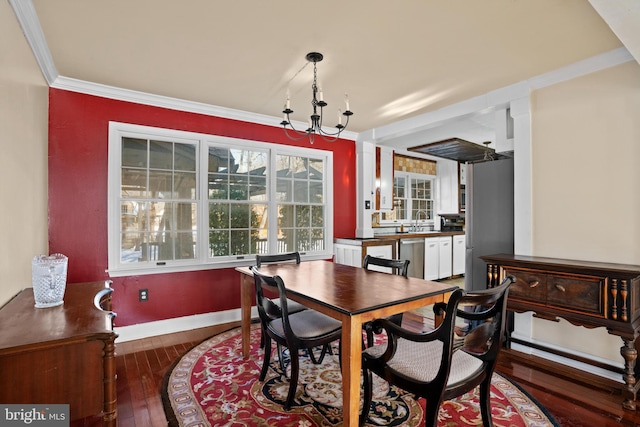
[[270, 259], [398, 266]]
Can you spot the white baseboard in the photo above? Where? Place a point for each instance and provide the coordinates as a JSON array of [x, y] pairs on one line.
[[571, 362], [179, 324]]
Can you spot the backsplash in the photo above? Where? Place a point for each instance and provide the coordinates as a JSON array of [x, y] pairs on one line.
[[414, 164]]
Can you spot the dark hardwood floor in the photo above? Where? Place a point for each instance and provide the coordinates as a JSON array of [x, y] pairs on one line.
[[574, 398]]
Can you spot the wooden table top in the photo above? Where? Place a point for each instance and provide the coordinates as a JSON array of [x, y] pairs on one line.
[[24, 325], [349, 290]]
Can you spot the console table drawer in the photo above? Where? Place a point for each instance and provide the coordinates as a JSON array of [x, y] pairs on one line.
[[529, 285], [583, 294]]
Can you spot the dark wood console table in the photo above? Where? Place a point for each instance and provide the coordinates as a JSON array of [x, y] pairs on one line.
[[589, 294], [63, 354]]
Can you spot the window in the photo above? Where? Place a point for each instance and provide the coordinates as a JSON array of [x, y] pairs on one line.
[[183, 201], [412, 195]]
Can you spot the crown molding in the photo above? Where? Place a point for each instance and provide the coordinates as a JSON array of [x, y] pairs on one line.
[[112, 92], [30, 24]]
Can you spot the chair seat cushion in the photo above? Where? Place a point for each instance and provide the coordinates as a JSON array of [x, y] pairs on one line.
[[421, 361], [307, 324]]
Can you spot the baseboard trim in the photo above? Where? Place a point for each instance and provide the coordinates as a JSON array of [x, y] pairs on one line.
[[178, 324]]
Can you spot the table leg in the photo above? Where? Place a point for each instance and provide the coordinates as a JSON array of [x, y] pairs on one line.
[[246, 284], [630, 390], [351, 366]]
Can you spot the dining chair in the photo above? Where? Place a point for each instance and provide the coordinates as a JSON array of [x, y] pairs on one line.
[[294, 306], [429, 365], [399, 267], [303, 330]]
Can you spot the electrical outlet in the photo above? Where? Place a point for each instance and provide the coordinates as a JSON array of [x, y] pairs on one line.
[[143, 295]]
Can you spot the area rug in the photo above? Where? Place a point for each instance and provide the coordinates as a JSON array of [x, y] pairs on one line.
[[213, 385]]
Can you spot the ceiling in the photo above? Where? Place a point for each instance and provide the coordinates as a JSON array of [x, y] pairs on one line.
[[395, 60]]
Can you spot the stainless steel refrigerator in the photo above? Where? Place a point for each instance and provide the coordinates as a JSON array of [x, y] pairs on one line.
[[488, 216]]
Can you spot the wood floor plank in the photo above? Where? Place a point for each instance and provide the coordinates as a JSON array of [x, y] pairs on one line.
[[141, 367]]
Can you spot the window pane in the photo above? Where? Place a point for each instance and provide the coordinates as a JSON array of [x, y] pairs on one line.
[[301, 191], [185, 157], [317, 216], [239, 187], [316, 169], [218, 186], [160, 155], [133, 183], [185, 185], [160, 184], [303, 240], [303, 217], [316, 193], [219, 215], [285, 215], [239, 242], [284, 192], [239, 161], [317, 239], [134, 152], [218, 159], [299, 167], [258, 188], [240, 215], [218, 243]]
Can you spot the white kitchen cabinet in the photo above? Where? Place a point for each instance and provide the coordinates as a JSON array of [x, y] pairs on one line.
[[459, 254], [447, 181], [348, 254], [431, 258], [438, 258], [445, 257]]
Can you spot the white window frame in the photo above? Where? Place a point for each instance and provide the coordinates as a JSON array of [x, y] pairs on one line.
[[409, 177], [117, 130]]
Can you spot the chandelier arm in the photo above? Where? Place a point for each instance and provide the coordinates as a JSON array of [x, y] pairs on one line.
[[297, 135], [338, 132]]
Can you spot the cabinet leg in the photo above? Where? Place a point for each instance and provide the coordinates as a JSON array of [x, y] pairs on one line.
[[629, 353], [110, 403]]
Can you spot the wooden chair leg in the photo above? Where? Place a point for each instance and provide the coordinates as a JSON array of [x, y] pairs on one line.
[[367, 389], [293, 381], [485, 402], [267, 357]]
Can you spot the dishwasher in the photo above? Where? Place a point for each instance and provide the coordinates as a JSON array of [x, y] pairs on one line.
[[413, 250]]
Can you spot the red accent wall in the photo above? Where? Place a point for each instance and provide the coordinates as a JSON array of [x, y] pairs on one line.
[[78, 147]]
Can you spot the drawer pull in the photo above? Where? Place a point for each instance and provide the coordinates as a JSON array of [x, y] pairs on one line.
[[533, 284], [560, 288]]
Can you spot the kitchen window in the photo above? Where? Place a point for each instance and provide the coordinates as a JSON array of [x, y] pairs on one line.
[[412, 194], [185, 201]]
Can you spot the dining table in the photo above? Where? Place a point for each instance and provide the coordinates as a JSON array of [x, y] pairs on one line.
[[352, 295]]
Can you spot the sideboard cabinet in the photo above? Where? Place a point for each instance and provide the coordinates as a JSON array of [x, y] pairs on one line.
[[589, 294], [63, 354]]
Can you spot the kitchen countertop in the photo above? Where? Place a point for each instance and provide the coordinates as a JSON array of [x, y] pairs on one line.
[[359, 241]]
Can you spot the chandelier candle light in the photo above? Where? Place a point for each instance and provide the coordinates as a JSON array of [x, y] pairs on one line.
[[315, 120]]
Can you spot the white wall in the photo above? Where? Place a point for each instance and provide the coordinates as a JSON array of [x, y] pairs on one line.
[[585, 143], [23, 163]]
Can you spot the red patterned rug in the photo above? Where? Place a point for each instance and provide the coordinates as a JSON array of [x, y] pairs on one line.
[[213, 385]]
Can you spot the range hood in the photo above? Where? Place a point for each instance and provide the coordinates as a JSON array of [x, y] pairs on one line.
[[458, 149]]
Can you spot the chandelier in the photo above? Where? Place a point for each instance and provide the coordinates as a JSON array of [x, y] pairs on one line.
[[316, 118]]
